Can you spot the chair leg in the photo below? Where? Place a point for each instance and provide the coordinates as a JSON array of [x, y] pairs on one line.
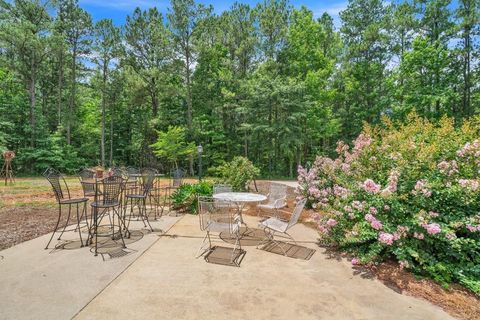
[[145, 214], [78, 227], [119, 226], [202, 250], [96, 230], [56, 226], [294, 241], [66, 223]]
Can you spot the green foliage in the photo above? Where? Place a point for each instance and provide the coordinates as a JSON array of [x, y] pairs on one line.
[[172, 145], [237, 173], [272, 82], [185, 198], [53, 152], [408, 191]]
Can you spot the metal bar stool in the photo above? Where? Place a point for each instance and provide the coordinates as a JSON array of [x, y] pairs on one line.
[[57, 182], [108, 199], [139, 199]]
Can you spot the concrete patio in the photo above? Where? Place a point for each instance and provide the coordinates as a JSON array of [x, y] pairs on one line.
[[163, 280]]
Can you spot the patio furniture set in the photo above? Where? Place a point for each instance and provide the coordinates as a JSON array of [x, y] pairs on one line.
[[119, 196], [223, 213]]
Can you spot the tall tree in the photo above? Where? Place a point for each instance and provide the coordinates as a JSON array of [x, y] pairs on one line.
[[468, 16], [365, 37], [78, 30], [23, 32], [183, 19], [106, 47], [148, 50]]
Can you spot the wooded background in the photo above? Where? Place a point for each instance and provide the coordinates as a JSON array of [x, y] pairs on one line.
[[272, 83]]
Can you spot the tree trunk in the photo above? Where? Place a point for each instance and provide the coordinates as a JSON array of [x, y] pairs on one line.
[[189, 103], [102, 142], [71, 106], [60, 88], [111, 137], [31, 93]]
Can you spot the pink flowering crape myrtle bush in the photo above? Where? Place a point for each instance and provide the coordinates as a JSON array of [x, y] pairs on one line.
[[404, 191]]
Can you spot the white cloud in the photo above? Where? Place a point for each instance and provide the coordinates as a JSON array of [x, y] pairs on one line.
[[333, 10]]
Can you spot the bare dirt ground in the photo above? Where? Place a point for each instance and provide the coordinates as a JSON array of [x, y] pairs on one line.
[[28, 210]]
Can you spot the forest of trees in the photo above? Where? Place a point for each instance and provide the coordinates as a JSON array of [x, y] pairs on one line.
[[274, 83]]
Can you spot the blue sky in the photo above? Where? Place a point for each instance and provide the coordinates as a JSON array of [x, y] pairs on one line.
[[117, 10]]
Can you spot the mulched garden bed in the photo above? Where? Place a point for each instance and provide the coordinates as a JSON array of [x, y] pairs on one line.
[[22, 224]]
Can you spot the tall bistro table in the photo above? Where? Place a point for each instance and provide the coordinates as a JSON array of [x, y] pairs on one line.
[[240, 199]]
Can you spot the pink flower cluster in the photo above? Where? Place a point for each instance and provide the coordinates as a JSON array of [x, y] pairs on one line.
[[358, 205], [401, 232], [448, 168], [359, 144], [419, 236], [432, 228], [403, 264], [331, 222], [473, 185], [473, 228], [340, 192], [392, 183], [470, 150], [370, 186], [342, 147], [421, 188], [386, 238], [374, 222]]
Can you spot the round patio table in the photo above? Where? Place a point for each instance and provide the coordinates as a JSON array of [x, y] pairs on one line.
[[240, 199]]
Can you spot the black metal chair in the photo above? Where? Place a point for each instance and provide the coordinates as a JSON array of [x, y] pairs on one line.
[[108, 199], [176, 181], [139, 199], [87, 177], [177, 176], [64, 198], [158, 196]]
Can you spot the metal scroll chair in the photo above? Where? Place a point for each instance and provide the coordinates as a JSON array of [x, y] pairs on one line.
[[64, 199], [176, 181], [177, 176], [87, 177], [274, 225], [108, 202], [276, 198], [132, 175], [158, 195], [221, 188], [218, 219], [139, 199]]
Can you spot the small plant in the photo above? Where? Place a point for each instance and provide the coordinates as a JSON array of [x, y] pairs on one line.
[[238, 173], [185, 198]]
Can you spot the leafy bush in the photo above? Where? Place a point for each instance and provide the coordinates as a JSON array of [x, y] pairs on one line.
[[237, 173], [185, 198], [408, 191]]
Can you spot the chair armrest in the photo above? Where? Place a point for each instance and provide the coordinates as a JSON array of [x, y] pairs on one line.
[[278, 201]]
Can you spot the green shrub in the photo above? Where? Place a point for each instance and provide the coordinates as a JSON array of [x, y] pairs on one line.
[[405, 191], [237, 173], [185, 198]]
